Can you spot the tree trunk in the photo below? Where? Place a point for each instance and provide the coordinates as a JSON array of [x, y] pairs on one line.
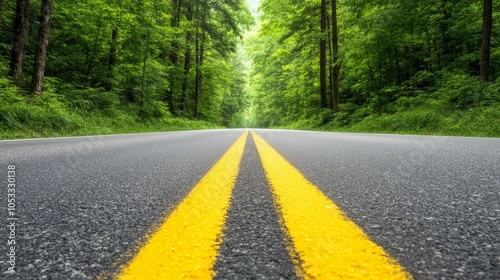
[[173, 56], [200, 49], [112, 57], [89, 59], [115, 36], [322, 57], [399, 73], [187, 63], [336, 65], [41, 49], [444, 26], [144, 67], [2, 4], [197, 78], [199, 74], [486, 46], [19, 41], [112, 51], [142, 100], [330, 64]]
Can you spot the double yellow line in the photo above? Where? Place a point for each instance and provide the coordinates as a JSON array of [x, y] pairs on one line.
[[327, 243]]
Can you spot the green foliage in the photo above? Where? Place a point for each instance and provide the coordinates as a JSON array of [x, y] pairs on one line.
[[236, 100], [26, 114], [460, 105], [110, 67], [127, 65], [461, 92], [406, 67], [285, 63], [89, 100], [417, 120], [80, 112]]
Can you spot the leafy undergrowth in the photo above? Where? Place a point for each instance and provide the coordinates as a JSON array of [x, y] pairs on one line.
[[81, 112], [458, 106], [480, 122]]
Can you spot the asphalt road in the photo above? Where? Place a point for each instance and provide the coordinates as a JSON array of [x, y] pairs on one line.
[[84, 206]]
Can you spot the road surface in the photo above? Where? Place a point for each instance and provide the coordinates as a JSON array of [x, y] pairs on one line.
[[276, 204]]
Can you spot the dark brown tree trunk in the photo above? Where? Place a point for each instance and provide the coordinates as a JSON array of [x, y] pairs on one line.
[[330, 64], [112, 57], [142, 100], [89, 59], [322, 57], [2, 4], [112, 51], [173, 56], [200, 49], [144, 67], [41, 48], [19, 41], [399, 72], [336, 65], [486, 46], [185, 84], [187, 63], [444, 26], [115, 36], [199, 75]]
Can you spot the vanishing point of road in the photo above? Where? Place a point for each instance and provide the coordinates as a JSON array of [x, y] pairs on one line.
[[250, 204]]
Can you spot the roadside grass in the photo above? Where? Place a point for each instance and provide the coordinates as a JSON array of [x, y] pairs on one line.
[[476, 122], [47, 124], [52, 115], [483, 122], [459, 105]]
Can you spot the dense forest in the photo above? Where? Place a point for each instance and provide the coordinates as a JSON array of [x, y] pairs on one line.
[[428, 66], [105, 66]]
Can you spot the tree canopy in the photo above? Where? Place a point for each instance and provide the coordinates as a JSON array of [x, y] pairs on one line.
[[366, 65], [153, 59], [388, 52]]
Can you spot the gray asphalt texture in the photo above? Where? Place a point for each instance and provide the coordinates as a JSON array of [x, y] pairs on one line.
[[254, 245], [432, 202], [84, 204]]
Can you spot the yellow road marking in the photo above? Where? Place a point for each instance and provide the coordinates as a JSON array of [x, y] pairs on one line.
[[186, 245], [329, 245]]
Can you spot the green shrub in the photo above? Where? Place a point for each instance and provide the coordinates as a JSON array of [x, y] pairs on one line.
[[459, 91], [414, 121], [422, 80], [31, 117], [91, 99], [153, 110], [484, 122]]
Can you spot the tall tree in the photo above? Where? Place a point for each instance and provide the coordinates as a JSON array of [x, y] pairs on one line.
[[336, 63], [108, 52], [187, 60], [41, 48], [19, 41], [486, 45], [2, 4], [322, 55], [112, 56], [115, 35], [173, 55], [200, 50]]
